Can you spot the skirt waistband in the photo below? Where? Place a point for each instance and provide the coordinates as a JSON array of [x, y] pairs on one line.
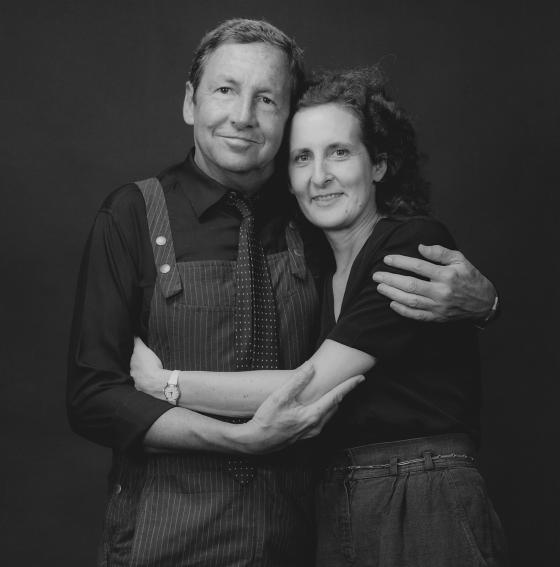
[[406, 451]]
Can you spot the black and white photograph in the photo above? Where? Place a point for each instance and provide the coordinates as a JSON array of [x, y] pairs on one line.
[[280, 285]]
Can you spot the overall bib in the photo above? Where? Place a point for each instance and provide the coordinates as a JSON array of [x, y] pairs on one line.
[[173, 510]]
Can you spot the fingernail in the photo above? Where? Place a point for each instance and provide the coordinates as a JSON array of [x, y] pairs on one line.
[[388, 259], [377, 277]]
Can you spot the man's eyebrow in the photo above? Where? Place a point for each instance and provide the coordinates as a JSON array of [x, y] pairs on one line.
[[258, 89], [225, 79]]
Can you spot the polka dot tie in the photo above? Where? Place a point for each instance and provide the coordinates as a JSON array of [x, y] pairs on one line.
[[256, 318]]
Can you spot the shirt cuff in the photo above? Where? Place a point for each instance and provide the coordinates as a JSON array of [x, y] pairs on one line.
[[134, 417]]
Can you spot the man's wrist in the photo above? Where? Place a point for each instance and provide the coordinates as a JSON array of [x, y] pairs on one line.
[[243, 439]]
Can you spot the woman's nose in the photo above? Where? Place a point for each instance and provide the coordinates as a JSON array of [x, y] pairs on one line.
[[321, 176]]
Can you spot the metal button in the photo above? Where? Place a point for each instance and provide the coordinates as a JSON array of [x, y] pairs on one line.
[[164, 268], [161, 240], [118, 488]]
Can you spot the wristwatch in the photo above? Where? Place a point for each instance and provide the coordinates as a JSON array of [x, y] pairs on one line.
[[171, 390]]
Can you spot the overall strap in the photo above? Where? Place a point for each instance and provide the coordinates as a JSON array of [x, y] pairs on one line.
[[168, 277], [295, 249]]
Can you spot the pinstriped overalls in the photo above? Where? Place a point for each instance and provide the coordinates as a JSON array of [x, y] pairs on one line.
[[174, 510]]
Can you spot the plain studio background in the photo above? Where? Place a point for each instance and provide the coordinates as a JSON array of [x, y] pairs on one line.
[[91, 99]]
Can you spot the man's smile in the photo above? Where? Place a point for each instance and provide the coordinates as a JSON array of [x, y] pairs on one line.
[[237, 139]]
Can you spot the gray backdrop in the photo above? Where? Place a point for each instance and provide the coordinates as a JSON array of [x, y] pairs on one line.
[[91, 98]]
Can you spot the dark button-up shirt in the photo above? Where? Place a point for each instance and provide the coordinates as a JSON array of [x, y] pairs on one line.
[[116, 284]]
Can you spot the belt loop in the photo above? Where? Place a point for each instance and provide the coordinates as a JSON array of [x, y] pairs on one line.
[[428, 463], [393, 468]]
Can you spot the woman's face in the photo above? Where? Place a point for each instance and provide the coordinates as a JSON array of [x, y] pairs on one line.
[[331, 173]]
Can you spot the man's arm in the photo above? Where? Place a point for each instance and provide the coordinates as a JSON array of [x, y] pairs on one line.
[[454, 289], [102, 404]]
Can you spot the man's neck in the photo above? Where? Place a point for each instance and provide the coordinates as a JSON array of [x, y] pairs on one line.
[[246, 183]]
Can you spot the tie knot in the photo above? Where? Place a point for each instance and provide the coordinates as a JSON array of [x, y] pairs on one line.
[[241, 204]]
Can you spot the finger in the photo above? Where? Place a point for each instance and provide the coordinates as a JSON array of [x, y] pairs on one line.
[[414, 300], [441, 254], [297, 383], [414, 265], [316, 429], [416, 314], [393, 283]]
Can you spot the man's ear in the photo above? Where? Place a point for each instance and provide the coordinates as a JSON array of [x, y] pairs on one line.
[[188, 105], [379, 168]]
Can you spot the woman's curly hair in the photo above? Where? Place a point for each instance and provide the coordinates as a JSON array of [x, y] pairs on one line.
[[387, 133]]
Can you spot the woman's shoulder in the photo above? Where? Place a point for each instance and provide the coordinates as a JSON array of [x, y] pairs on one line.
[[412, 230]]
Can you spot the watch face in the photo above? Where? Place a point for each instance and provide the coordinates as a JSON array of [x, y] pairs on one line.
[[171, 393]]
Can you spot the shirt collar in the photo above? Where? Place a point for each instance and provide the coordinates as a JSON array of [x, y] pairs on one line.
[[203, 192], [200, 189]]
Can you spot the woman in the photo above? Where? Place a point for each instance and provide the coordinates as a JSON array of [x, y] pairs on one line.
[[399, 484]]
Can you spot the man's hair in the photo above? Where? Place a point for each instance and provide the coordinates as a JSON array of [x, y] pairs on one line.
[[387, 133], [240, 30]]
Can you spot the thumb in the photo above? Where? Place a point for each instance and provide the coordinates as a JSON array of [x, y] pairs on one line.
[[440, 254], [333, 397], [298, 381]]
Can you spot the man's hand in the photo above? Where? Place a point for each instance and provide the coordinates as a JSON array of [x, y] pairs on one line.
[[282, 420], [147, 370], [455, 290]]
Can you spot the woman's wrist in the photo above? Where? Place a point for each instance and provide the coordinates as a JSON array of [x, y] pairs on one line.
[[158, 382]]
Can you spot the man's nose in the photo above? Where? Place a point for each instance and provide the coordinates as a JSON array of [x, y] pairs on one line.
[[243, 112]]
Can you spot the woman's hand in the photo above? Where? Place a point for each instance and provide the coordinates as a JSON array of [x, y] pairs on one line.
[[282, 419], [147, 370]]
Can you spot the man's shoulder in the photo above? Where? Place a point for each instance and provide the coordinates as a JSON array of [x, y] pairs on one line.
[[128, 197], [124, 202]]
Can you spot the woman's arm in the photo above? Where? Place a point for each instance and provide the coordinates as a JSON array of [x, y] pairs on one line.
[[239, 394], [281, 420]]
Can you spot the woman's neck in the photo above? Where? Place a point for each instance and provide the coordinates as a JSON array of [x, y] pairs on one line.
[[346, 243]]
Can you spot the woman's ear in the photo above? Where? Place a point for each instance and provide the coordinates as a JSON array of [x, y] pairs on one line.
[[379, 168], [188, 105]]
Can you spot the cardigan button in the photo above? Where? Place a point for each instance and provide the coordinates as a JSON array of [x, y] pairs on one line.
[[164, 268], [161, 240]]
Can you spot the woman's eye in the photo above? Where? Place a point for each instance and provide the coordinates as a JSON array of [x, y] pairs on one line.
[[341, 152], [224, 90], [299, 158]]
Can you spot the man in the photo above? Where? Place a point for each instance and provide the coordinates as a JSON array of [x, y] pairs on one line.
[[183, 490]]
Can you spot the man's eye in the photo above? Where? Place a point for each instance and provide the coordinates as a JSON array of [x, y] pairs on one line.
[[266, 100], [224, 90]]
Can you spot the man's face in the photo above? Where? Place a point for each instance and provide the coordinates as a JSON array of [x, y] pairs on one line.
[[239, 112]]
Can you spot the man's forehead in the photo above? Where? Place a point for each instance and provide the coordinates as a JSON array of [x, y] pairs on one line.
[[258, 59]]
